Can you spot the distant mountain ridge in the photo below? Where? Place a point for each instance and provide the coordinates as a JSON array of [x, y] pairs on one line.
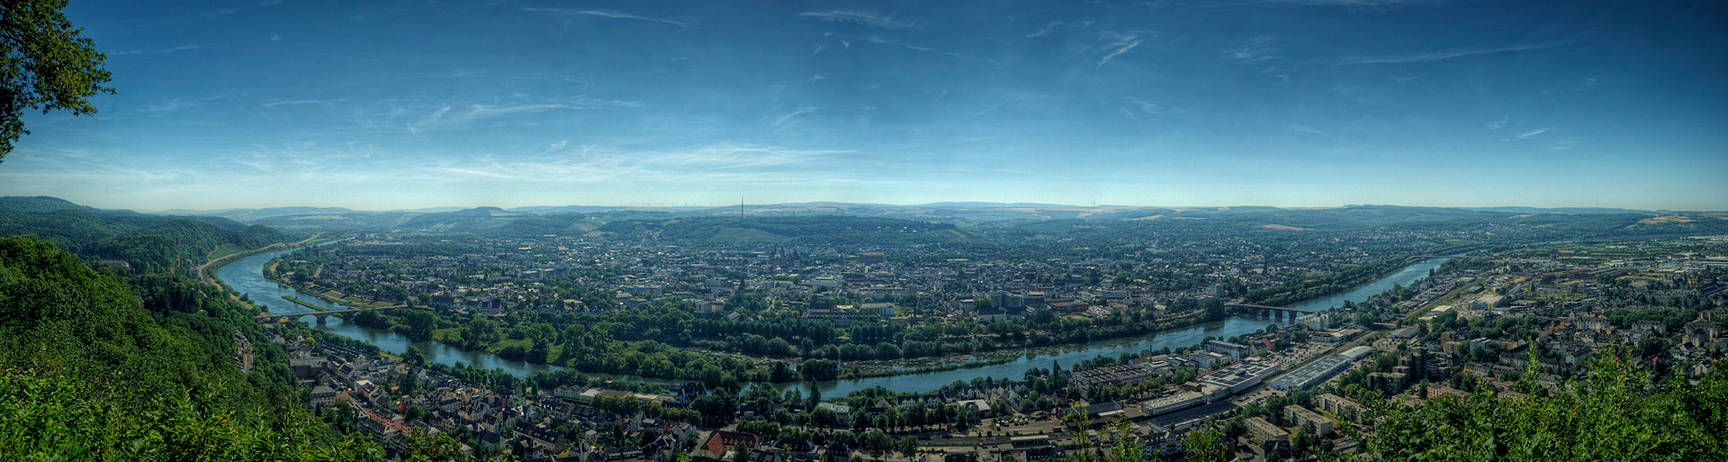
[[785, 229], [574, 219], [1560, 210], [158, 243], [38, 204], [258, 214], [544, 209]]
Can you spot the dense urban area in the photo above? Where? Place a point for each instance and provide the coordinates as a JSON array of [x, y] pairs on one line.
[[698, 231], [629, 338]]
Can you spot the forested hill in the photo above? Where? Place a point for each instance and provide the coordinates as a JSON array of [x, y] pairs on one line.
[[773, 229], [93, 367], [1466, 226], [496, 221], [149, 243]]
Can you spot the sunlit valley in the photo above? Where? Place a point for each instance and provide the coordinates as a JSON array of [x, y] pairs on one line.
[[826, 231]]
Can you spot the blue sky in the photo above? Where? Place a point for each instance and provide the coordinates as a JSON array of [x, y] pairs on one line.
[[382, 105]]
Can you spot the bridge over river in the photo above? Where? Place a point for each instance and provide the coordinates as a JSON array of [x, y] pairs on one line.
[[321, 314], [246, 276], [1274, 311]]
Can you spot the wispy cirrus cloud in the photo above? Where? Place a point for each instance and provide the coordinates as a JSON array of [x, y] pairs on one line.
[[236, 7], [985, 111], [1528, 134], [1299, 128], [715, 163], [183, 103], [1582, 85], [1431, 56], [801, 116], [302, 102], [1120, 43], [450, 116], [159, 51], [846, 43], [858, 17], [1135, 108], [1259, 52], [1058, 26], [1498, 124], [891, 42], [1148, 107], [791, 119], [609, 14], [1253, 50], [1350, 4], [301, 157]]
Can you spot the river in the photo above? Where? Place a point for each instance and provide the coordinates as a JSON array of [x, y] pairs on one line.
[[1173, 339], [246, 275]]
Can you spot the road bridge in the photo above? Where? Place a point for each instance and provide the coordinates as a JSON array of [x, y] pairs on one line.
[[322, 315], [1277, 312]]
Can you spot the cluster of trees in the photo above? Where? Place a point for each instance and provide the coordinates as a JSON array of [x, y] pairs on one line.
[[1616, 410], [1320, 286], [791, 415], [666, 340], [873, 441], [95, 367], [148, 243], [416, 324]]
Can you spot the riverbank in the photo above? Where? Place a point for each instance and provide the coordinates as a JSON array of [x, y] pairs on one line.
[[1339, 282], [994, 349], [908, 366], [1011, 363], [304, 303], [995, 353], [328, 296], [1112, 338], [224, 259]]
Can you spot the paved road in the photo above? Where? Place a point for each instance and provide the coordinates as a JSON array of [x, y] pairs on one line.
[[278, 245]]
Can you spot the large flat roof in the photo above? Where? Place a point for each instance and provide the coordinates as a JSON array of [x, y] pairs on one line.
[[1311, 374]]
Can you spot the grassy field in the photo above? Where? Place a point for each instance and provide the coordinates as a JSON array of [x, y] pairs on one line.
[[304, 303], [225, 250]]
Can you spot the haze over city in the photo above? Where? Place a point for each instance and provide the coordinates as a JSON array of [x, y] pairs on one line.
[[1300, 103], [894, 231]]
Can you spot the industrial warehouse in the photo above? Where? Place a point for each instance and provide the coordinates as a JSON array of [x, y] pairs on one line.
[[1320, 370]]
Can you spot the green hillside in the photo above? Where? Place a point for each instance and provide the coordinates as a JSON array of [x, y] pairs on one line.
[[498, 222], [773, 229], [38, 204], [93, 367], [150, 243], [1616, 411]]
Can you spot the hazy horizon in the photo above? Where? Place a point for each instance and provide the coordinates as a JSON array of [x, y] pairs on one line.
[[403, 105], [940, 204]]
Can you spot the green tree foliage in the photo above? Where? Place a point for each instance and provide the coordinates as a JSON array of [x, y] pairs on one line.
[[1204, 446], [817, 370], [371, 319], [1320, 286], [429, 448], [58, 418], [1614, 411], [48, 65], [149, 243], [93, 369], [418, 324]]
